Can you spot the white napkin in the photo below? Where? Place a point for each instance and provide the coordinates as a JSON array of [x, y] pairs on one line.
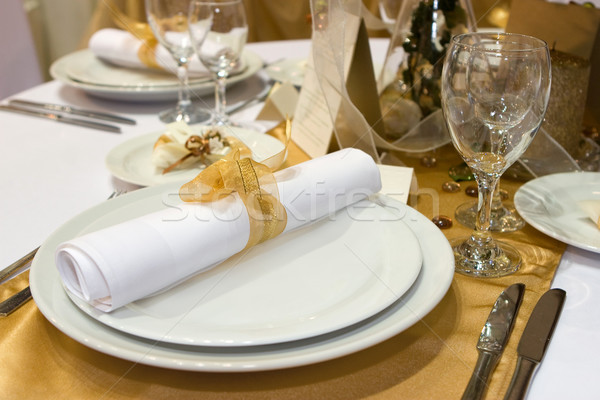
[[120, 47], [126, 262]]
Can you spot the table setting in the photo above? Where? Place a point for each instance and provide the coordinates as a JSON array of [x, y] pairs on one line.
[[193, 221]]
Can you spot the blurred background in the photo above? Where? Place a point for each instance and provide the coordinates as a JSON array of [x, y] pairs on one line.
[[59, 27]]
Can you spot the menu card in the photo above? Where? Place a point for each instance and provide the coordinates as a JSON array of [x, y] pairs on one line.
[[337, 82]]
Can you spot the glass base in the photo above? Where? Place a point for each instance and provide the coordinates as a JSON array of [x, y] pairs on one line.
[[504, 219], [489, 259], [190, 115]]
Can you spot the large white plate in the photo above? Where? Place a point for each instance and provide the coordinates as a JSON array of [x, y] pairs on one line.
[[131, 161], [549, 204], [314, 280], [147, 85], [430, 287]]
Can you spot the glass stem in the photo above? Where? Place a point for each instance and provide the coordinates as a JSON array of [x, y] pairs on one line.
[[184, 101], [220, 100], [487, 184], [496, 199]]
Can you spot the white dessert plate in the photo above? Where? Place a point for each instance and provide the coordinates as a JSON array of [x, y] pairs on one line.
[[430, 287], [131, 161], [550, 204], [287, 70], [136, 85], [322, 277]]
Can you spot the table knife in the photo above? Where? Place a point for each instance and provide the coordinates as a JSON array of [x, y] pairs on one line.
[[493, 339], [60, 118], [75, 111], [534, 341]]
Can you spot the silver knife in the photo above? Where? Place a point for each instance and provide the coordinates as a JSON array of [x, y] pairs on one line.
[[535, 340], [60, 118], [75, 111], [493, 339]]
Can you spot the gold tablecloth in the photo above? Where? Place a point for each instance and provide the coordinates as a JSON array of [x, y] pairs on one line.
[[431, 360]]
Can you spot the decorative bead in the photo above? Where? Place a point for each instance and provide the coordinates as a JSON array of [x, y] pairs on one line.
[[428, 161], [472, 191], [442, 221], [451, 187]]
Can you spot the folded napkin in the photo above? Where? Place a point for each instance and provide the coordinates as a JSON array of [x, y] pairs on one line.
[[126, 262], [121, 48]]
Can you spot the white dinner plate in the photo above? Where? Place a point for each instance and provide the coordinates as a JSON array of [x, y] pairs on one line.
[[147, 85], [550, 204], [430, 287], [131, 161], [83, 66], [317, 279]]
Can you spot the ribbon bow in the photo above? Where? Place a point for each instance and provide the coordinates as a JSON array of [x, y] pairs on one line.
[[254, 182], [140, 30]]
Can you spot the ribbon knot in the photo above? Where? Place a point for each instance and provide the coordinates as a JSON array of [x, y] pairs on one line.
[[255, 184]]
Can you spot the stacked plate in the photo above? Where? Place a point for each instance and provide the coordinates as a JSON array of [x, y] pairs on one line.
[[331, 288], [83, 70]]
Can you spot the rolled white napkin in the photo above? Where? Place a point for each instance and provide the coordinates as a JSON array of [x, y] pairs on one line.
[[120, 47], [126, 262]]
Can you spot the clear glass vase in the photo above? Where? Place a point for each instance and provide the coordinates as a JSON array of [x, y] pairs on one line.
[[410, 80]]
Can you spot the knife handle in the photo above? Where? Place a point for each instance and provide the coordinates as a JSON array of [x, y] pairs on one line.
[[520, 380], [486, 362]]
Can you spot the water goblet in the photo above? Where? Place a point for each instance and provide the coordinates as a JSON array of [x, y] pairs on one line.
[[169, 23], [219, 31], [495, 90]]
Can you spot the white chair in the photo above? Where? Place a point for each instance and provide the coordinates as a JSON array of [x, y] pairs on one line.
[[19, 66]]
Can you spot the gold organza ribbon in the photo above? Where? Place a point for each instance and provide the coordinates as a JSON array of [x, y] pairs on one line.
[[141, 30], [254, 182]]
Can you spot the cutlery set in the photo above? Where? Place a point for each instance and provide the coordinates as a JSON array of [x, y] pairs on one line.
[[56, 112], [532, 345]]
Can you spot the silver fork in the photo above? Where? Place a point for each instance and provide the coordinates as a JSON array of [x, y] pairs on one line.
[[18, 299]]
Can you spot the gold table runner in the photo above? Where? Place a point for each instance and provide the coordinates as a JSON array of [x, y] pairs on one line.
[[431, 360]]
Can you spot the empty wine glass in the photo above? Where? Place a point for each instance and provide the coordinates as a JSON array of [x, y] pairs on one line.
[[219, 32], [169, 23], [495, 90]]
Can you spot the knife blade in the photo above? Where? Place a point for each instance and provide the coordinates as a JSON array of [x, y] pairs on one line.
[[534, 341], [75, 111], [60, 118], [493, 339]]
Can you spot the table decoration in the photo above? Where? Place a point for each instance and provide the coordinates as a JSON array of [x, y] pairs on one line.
[[131, 161], [419, 42]]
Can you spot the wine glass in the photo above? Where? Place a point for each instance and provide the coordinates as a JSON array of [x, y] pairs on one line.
[[169, 23], [219, 31], [495, 90]]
